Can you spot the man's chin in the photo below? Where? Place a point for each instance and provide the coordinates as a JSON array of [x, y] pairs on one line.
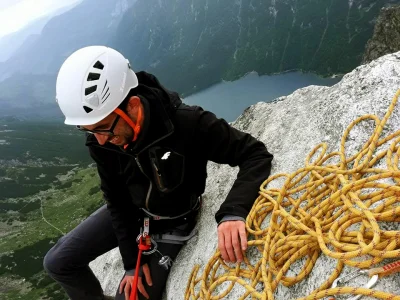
[[119, 141], [117, 144]]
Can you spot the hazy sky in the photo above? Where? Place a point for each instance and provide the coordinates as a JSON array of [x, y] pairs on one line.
[[15, 14]]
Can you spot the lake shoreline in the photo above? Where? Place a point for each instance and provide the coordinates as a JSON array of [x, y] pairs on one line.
[[253, 88], [323, 76]]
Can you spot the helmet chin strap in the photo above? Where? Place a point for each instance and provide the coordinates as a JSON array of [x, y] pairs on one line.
[[135, 127]]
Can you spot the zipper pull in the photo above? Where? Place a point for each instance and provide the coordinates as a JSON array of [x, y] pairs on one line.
[[137, 162], [155, 167], [158, 175]]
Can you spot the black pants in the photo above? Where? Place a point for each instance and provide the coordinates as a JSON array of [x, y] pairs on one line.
[[68, 261]]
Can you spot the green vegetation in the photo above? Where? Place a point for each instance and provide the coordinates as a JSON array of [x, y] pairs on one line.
[[42, 140], [34, 154], [43, 167], [26, 237]]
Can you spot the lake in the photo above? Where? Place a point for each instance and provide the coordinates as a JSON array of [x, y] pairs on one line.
[[229, 99]]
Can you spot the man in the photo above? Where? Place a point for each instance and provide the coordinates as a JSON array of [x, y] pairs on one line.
[[151, 152]]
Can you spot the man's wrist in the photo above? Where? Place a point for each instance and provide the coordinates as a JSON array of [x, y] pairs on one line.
[[132, 272], [231, 218]]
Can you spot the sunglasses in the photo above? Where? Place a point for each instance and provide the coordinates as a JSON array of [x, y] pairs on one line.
[[108, 132]]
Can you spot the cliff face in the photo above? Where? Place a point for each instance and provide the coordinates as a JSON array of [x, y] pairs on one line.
[[290, 127], [386, 37]]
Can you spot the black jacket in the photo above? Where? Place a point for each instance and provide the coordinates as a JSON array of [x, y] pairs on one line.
[[164, 171]]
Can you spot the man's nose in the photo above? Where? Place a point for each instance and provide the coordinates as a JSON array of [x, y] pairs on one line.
[[101, 138]]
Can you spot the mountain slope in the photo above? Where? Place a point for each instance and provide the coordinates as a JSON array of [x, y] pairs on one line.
[[89, 23], [200, 42], [191, 45], [11, 42], [386, 37]]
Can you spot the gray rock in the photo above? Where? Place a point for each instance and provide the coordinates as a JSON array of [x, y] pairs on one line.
[[290, 127]]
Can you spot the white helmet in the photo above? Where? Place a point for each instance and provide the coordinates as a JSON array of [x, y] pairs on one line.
[[91, 83]]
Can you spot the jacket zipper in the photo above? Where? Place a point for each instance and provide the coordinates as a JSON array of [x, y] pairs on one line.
[[151, 184], [141, 169], [136, 157], [158, 174]]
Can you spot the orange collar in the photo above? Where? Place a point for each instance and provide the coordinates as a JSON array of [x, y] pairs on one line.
[[136, 127]]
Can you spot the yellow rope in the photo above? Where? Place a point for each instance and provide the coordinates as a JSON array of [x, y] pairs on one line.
[[316, 210]]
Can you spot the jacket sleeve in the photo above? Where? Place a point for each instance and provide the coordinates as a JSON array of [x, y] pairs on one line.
[[124, 214], [224, 144]]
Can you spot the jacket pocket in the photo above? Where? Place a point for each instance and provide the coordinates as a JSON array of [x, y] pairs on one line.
[[168, 168]]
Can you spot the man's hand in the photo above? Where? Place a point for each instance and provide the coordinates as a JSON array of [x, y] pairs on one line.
[[232, 240], [126, 283]]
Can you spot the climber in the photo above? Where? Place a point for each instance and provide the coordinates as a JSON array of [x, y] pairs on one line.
[[151, 152]]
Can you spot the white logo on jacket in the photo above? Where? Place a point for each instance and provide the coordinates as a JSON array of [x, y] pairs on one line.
[[166, 155]]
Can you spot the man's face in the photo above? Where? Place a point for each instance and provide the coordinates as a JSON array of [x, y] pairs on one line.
[[114, 130]]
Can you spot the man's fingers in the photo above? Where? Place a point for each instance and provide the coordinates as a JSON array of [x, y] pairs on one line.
[[221, 245], [147, 275], [229, 246], [122, 284], [141, 288], [236, 246], [243, 237], [126, 284], [127, 289], [232, 240]]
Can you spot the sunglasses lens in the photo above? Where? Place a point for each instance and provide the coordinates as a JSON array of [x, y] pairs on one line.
[[102, 132], [83, 129]]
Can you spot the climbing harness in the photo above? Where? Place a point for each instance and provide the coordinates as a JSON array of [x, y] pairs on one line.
[[338, 205], [173, 239], [165, 261], [196, 207], [147, 245], [144, 244]]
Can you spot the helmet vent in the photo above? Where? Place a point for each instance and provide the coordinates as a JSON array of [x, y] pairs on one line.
[[106, 98], [104, 86], [90, 90], [87, 109], [105, 94], [98, 65], [93, 76]]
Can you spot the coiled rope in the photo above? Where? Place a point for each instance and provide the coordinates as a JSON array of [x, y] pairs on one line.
[[333, 208]]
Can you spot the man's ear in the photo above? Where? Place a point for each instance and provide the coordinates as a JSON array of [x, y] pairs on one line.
[[133, 102]]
